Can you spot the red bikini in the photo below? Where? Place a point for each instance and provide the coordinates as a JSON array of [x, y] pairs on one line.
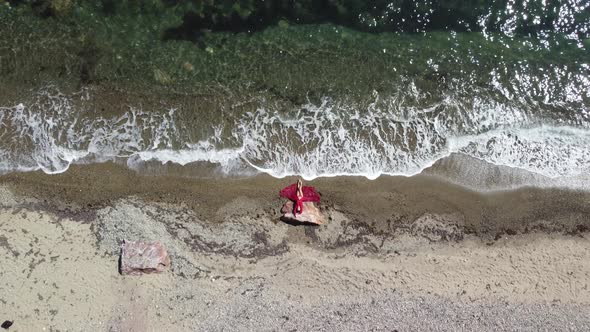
[[309, 195]]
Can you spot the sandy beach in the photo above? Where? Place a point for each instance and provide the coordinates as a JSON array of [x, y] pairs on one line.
[[396, 254], [448, 142]]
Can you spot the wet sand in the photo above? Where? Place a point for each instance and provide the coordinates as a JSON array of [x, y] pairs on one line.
[[380, 205], [400, 253]]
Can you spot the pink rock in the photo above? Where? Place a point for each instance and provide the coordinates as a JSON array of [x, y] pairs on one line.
[[138, 257], [311, 214]]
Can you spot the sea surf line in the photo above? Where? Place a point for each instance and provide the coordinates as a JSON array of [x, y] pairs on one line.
[[332, 138]]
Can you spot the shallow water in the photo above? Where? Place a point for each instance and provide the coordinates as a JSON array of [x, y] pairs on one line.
[[509, 85]]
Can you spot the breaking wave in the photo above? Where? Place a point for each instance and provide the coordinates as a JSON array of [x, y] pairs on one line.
[[390, 135]]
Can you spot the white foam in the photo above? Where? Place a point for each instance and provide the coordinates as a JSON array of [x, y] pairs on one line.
[[391, 138], [553, 151], [401, 134], [191, 155], [228, 160], [49, 134]]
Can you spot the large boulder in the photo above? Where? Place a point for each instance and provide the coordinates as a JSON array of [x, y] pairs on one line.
[[311, 214], [138, 257]]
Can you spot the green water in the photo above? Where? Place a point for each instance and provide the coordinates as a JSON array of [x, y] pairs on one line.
[[312, 87], [293, 62]]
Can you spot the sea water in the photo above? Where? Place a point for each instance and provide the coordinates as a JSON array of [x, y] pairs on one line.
[[511, 88]]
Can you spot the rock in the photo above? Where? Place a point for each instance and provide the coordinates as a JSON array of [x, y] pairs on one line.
[[7, 324], [188, 66], [162, 77], [283, 24], [311, 214], [138, 257], [61, 7]]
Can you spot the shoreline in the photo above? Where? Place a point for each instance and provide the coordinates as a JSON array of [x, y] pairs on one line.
[[383, 204]]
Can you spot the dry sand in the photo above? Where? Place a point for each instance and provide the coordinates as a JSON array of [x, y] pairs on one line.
[[410, 257]]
